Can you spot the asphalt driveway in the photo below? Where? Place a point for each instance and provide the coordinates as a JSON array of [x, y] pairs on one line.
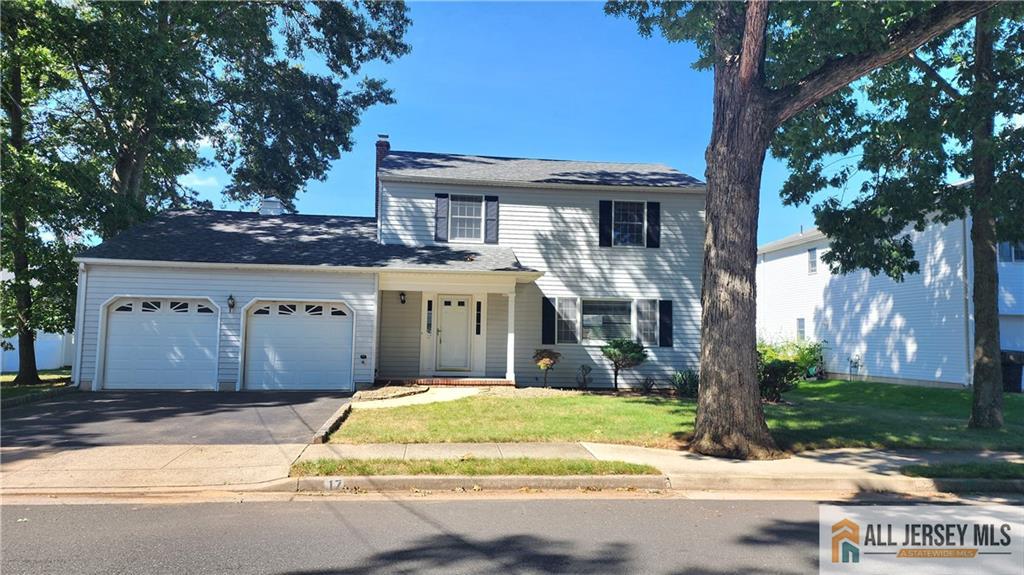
[[147, 418]]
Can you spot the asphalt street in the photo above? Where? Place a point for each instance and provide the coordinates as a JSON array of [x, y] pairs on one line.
[[414, 536]]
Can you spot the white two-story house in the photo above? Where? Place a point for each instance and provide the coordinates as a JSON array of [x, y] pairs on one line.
[[920, 330], [471, 264]]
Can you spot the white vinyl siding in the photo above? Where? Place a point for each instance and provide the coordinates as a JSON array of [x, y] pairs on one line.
[[497, 335], [914, 330], [399, 341], [355, 289], [556, 231]]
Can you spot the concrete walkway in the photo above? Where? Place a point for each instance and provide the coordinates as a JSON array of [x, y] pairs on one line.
[[432, 395], [242, 467]]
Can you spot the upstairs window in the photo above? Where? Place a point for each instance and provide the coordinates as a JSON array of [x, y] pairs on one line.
[[1011, 252], [812, 261], [628, 221], [466, 219]]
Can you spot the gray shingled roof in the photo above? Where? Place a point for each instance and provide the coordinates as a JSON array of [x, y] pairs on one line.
[[210, 236], [527, 171]]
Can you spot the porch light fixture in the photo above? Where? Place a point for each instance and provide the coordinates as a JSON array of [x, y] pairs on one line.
[[231, 302], [401, 297]]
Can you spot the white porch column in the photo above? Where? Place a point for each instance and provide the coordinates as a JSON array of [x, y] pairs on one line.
[[510, 362]]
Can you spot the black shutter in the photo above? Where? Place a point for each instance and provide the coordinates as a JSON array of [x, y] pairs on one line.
[[653, 224], [605, 224], [491, 219], [665, 323], [547, 322], [440, 217]]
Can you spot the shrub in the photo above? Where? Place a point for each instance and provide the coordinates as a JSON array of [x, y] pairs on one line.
[[776, 377], [546, 360], [808, 355], [624, 354], [647, 385], [686, 383], [583, 378]]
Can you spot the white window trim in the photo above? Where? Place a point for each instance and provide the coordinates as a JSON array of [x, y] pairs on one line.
[[483, 219], [643, 235], [816, 261], [634, 321]]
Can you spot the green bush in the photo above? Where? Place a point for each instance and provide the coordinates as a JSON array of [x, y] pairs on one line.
[[624, 354], [776, 377], [808, 355], [686, 383]]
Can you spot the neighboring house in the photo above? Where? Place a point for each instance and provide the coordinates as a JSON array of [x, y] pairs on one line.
[[471, 264], [53, 350], [919, 331]]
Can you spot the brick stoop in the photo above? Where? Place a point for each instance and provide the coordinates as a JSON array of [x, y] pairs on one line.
[[448, 381]]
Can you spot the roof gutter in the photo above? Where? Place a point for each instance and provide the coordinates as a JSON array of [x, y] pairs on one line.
[[530, 275], [694, 189]]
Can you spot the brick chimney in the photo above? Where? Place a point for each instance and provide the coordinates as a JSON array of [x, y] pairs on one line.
[[383, 147]]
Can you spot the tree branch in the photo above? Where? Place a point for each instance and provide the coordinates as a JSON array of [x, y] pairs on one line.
[[834, 74], [752, 51], [934, 75], [100, 114]]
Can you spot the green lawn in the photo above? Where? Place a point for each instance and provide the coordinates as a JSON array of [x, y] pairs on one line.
[[823, 414], [468, 466], [47, 375], [9, 391], [999, 470]]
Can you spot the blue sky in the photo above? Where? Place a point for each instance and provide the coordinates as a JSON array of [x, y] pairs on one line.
[[546, 80]]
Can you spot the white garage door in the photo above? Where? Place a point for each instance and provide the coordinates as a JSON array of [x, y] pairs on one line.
[[161, 344], [298, 345]]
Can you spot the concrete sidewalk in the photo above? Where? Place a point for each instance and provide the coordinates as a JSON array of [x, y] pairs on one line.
[[259, 467]]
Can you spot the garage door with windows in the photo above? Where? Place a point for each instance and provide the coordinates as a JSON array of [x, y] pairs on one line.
[[161, 343], [298, 346]]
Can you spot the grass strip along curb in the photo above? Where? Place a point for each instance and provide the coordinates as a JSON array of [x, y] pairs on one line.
[[994, 470], [33, 395], [467, 467]]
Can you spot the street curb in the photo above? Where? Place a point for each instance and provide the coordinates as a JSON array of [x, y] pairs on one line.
[[900, 485], [38, 396], [332, 424], [471, 483]]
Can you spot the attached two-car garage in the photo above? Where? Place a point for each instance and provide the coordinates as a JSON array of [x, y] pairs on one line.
[[173, 343]]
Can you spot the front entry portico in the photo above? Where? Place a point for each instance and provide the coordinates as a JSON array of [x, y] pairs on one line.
[[446, 326]]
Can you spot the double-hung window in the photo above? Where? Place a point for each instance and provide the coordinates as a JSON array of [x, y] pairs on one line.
[[567, 315], [812, 261], [629, 221], [466, 219]]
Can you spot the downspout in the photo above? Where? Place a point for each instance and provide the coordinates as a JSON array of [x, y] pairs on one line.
[[968, 352], [83, 286]]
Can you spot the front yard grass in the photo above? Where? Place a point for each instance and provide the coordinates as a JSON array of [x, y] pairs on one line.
[[9, 391], [998, 470], [818, 415], [468, 466]]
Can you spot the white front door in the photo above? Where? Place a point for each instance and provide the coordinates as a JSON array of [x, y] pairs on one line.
[[453, 332]]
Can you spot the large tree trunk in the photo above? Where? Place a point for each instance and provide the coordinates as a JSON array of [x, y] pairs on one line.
[[987, 405], [14, 107], [730, 418]]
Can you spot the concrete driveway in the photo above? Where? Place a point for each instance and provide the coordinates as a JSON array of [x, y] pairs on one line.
[[108, 418]]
